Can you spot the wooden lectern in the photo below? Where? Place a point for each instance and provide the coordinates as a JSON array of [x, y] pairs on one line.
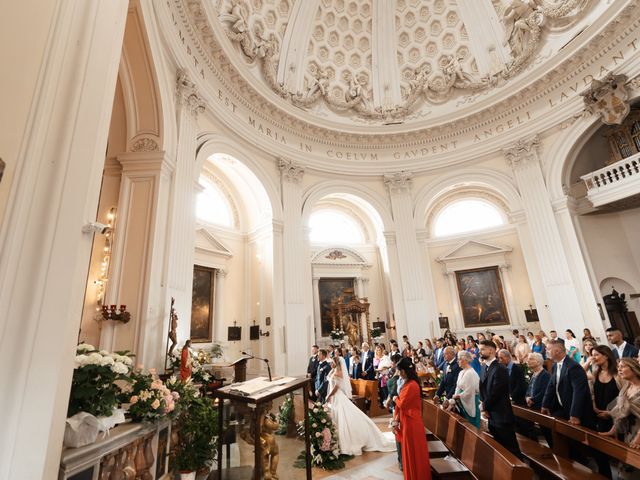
[[240, 370], [230, 396]]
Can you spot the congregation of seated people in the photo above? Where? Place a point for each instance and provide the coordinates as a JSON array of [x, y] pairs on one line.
[[591, 385]]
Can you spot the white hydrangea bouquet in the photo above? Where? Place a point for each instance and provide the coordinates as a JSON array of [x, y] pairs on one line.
[[95, 388]]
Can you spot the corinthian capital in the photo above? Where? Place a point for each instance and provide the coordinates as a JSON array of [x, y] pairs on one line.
[[290, 171], [399, 182], [187, 93], [522, 151]]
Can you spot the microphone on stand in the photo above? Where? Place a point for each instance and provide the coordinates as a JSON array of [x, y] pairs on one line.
[[266, 360]]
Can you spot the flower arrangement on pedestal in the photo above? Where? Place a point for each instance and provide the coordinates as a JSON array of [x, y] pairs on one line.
[[93, 387], [337, 334], [325, 452], [376, 333], [150, 399], [198, 373]]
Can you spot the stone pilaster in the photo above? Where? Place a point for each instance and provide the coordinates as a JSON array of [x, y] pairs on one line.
[[546, 244], [219, 324], [180, 254], [297, 270], [419, 312]]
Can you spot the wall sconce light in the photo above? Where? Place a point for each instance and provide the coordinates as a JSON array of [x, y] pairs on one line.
[[103, 277]]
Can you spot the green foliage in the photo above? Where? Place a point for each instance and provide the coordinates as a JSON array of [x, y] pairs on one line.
[[197, 436], [97, 376], [286, 412], [376, 332]]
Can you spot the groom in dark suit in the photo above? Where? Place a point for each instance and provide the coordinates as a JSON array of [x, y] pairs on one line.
[[312, 369], [322, 382], [496, 404]]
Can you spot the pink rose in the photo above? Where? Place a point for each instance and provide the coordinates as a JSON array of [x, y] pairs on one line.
[[155, 404], [133, 399], [326, 440]]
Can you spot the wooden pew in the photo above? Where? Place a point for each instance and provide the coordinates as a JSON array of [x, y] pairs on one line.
[[547, 462], [564, 431], [479, 455], [369, 390]]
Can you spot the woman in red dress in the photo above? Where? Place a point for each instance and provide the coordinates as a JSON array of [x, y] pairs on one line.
[[185, 362], [410, 430]]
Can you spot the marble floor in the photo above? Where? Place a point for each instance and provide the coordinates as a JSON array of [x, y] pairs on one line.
[[368, 466]]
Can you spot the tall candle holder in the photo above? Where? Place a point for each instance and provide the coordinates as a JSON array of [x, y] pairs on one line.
[[109, 312]]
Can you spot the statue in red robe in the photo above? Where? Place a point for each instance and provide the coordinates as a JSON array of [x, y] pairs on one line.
[[185, 362]]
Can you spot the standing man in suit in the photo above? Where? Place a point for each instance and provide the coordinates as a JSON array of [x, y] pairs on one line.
[[517, 382], [322, 382], [568, 396], [494, 393], [447, 385], [619, 347], [367, 363], [438, 354], [355, 367], [312, 369]]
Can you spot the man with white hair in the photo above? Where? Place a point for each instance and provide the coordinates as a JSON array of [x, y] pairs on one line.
[[517, 382], [450, 372], [367, 363]]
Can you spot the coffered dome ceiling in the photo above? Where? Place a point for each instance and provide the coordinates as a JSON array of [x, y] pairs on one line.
[[380, 62]]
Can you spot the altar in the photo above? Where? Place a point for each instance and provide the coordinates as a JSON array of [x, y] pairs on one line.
[[350, 314]]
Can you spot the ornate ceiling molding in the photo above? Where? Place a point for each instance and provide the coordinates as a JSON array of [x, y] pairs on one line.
[[545, 102]]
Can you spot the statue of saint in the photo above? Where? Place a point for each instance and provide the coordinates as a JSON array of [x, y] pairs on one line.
[[185, 362], [352, 332]]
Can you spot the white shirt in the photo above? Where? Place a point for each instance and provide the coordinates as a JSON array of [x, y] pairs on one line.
[[620, 348], [558, 372]]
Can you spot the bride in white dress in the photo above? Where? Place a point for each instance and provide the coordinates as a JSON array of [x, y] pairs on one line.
[[356, 431]]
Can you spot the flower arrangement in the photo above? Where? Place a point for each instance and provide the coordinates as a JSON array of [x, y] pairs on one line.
[[150, 399], [337, 334], [187, 393], [286, 412], [95, 386], [376, 332], [325, 452]]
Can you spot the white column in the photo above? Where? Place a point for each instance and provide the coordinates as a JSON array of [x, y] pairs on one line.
[[359, 288], [431, 316], [514, 313], [44, 256], [365, 287], [411, 262], [395, 286], [278, 316], [317, 314], [183, 204], [138, 260], [549, 252], [297, 311], [457, 322], [588, 291], [219, 324]]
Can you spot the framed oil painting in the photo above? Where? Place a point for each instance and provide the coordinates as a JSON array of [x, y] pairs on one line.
[[202, 304], [328, 289], [481, 297]]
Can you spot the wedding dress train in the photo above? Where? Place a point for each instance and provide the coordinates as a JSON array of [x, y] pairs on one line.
[[356, 431]]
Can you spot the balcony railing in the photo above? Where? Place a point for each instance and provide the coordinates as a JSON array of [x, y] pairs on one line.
[[614, 182]]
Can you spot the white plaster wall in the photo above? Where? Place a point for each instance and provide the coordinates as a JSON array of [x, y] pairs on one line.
[[518, 276]]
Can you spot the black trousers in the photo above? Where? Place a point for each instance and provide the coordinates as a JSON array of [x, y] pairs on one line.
[[505, 434]]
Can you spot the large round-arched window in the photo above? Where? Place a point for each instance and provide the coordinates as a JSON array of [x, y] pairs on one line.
[[468, 215], [333, 226], [212, 206]]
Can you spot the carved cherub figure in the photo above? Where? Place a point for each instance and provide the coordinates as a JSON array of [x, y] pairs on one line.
[[270, 449], [320, 82]]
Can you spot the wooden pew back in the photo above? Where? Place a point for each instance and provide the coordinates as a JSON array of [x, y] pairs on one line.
[[369, 390], [563, 431], [478, 451]]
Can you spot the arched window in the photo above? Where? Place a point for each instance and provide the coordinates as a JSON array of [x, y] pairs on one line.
[[212, 206], [333, 226], [468, 215]]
